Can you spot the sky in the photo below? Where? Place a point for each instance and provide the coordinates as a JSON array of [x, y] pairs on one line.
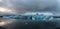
[[8, 7]]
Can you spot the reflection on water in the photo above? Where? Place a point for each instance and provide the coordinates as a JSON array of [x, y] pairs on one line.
[[28, 24]]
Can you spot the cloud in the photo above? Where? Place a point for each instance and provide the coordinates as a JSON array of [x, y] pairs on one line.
[[21, 6]]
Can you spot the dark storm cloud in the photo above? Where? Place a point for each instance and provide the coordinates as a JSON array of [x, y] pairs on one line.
[[34, 5], [21, 6]]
